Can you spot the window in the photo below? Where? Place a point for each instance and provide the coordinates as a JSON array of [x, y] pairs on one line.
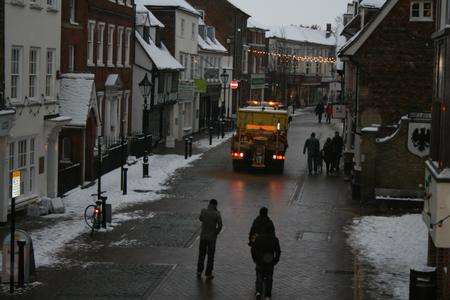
[[23, 159], [100, 45], [72, 9], [308, 68], [15, 72], [146, 34], [49, 73], [22, 162], [193, 31], [71, 66], [127, 46], [119, 45], [110, 45], [182, 27], [33, 72], [318, 68], [192, 68], [90, 54], [52, 4], [421, 11]]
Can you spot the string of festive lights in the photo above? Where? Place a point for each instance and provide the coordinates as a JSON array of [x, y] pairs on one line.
[[298, 58]]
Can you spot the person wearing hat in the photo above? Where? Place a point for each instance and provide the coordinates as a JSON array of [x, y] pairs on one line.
[[211, 227]]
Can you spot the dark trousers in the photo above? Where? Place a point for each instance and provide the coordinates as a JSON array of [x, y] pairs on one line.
[[337, 163], [328, 119], [312, 164], [319, 116], [329, 168], [266, 272], [206, 248]]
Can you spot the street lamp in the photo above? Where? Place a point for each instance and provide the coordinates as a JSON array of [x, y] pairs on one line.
[[224, 78], [145, 88]]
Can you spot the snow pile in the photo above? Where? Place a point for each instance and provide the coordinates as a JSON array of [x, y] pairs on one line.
[[49, 240], [391, 246]]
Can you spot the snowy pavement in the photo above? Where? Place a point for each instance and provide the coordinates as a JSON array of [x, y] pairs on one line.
[[387, 248], [49, 240]]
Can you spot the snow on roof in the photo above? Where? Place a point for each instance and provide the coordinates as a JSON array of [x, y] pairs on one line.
[[180, 4], [210, 45], [5, 112], [112, 80], [372, 3], [349, 42], [75, 97], [145, 17], [252, 23], [161, 57], [234, 3], [302, 34]]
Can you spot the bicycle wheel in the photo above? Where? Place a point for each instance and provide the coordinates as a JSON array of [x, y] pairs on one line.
[[89, 216]]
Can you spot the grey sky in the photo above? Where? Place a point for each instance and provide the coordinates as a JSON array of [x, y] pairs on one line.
[[284, 12]]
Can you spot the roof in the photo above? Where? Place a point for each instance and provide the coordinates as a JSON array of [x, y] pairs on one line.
[[179, 4], [145, 17], [265, 109], [252, 23], [209, 45], [372, 3], [355, 43], [236, 6], [77, 97], [302, 34], [161, 57]]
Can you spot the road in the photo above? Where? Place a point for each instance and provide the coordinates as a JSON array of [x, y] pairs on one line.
[[154, 257]]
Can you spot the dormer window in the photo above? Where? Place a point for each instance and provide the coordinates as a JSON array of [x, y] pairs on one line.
[[421, 11]]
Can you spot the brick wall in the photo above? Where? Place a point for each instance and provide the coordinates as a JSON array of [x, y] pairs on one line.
[[396, 68]]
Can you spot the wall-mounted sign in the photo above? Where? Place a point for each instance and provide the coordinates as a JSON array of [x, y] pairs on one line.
[[234, 84], [339, 111], [419, 135], [15, 182]]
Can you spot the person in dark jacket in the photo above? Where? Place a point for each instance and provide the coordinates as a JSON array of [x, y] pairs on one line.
[[320, 109], [259, 224], [328, 155], [266, 254], [211, 227], [338, 145], [312, 148]]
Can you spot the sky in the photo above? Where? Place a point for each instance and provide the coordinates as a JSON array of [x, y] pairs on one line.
[[285, 12]]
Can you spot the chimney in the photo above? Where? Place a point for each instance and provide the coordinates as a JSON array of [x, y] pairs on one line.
[[211, 31], [328, 33]]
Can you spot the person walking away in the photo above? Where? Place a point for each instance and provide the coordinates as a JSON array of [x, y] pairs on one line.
[[328, 155], [338, 145], [211, 227], [266, 254], [259, 224], [319, 111], [312, 148], [329, 112]]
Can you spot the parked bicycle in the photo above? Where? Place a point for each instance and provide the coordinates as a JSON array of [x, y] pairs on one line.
[[93, 215]]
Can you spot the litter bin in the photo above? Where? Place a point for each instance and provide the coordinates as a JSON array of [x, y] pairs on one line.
[[422, 284], [29, 264]]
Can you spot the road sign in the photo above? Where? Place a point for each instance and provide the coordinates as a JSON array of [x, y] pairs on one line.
[[234, 84], [15, 191]]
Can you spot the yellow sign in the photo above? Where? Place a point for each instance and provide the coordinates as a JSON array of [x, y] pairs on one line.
[[15, 190]]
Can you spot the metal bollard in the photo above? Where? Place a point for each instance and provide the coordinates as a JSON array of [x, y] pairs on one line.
[[145, 166], [223, 129], [21, 276], [191, 139], [103, 198], [125, 179], [186, 146], [210, 135]]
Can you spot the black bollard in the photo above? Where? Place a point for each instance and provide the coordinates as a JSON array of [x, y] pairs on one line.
[[186, 146], [223, 129], [103, 198], [125, 179], [191, 138], [210, 135], [145, 166], [21, 278]]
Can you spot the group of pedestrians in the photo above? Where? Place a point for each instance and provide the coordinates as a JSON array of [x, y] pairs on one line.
[[331, 154], [324, 109], [264, 245]]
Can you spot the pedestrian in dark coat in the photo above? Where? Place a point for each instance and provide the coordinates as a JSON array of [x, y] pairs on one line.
[[328, 155], [312, 148], [211, 227], [266, 254], [338, 145], [259, 224], [320, 109]]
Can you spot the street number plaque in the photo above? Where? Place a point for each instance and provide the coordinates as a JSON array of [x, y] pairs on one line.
[[15, 191]]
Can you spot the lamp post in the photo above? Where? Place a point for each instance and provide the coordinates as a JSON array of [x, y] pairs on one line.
[[145, 86], [224, 78]]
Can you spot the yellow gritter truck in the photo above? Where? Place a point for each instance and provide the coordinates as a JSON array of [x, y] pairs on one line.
[[261, 139]]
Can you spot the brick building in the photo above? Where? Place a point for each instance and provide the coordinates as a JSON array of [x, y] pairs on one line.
[[2, 54], [437, 179], [231, 28], [388, 72], [97, 55]]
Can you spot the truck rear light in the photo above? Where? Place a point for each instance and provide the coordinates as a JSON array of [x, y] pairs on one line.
[[278, 157], [237, 154]]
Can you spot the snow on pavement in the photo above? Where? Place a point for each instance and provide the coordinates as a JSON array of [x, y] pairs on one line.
[[49, 240], [392, 246]]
